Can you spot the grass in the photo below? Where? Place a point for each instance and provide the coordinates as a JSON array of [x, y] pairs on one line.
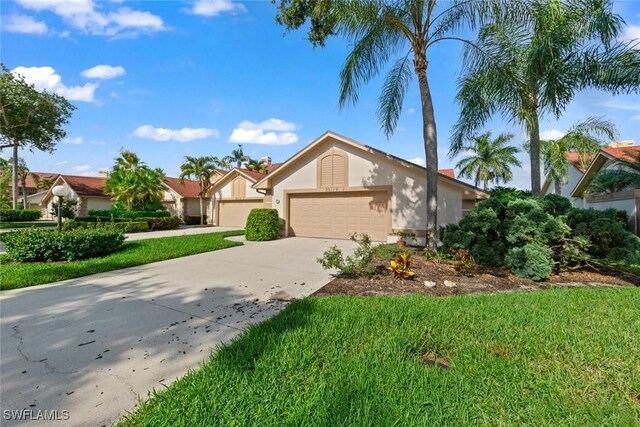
[[546, 358], [21, 275], [27, 224]]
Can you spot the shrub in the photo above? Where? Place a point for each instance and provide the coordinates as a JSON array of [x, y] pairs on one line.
[[44, 245], [360, 263], [163, 223], [556, 205], [119, 213], [531, 261], [463, 262], [401, 267], [125, 227], [389, 251], [509, 193], [489, 253], [262, 224], [68, 209], [10, 215], [194, 219]]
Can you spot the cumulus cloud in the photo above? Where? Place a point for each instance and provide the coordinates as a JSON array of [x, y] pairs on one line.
[[24, 25], [86, 17], [551, 134], [180, 135], [418, 161], [630, 33], [216, 7], [268, 132], [46, 78], [103, 72], [74, 141]]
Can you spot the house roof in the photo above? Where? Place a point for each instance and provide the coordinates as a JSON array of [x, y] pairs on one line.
[[86, 185], [604, 155], [251, 175], [451, 173], [445, 174], [31, 182], [188, 189], [574, 158]]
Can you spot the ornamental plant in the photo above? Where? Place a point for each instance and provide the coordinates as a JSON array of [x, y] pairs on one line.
[[401, 267]]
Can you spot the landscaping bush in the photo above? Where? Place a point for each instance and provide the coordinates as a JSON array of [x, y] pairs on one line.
[[389, 251], [360, 263], [169, 223], [508, 194], [44, 245], [125, 227], [532, 261], [69, 209], [262, 224], [556, 205], [10, 215], [194, 219], [117, 213]]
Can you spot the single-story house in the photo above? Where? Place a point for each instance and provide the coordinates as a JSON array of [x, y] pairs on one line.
[[335, 186], [87, 190], [34, 188], [233, 196], [181, 198], [628, 199]]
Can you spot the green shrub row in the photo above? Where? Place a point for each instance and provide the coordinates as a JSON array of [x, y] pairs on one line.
[[115, 213], [194, 219], [20, 214], [534, 236], [46, 245], [124, 227], [262, 224], [127, 225]]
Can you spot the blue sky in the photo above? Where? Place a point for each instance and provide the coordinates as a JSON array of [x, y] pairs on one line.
[[173, 78]]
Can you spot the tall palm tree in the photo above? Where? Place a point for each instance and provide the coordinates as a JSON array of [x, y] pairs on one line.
[[526, 72], [200, 169], [257, 165], [491, 160], [128, 161], [380, 30], [584, 138], [237, 156]]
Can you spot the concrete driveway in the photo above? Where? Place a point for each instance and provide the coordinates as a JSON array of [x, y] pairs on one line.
[[93, 346]]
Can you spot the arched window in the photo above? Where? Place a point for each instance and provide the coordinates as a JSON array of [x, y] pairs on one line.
[[332, 169], [238, 189]]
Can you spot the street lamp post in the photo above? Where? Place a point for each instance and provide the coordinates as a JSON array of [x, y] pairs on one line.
[[60, 191]]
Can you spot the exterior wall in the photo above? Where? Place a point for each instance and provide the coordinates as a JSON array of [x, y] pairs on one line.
[[193, 206], [627, 205], [565, 190], [226, 192], [87, 203], [48, 204], [366, 169]]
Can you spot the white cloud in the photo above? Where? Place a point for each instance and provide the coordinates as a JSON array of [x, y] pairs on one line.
[[418, 161], [46, 78], [103, 72], [216, 7], [180, 135], [268, 132], [630, 33], [82, 168], [74, 141], [64, 162], [621, 105], [411, 111], [24, 25], [636, 117], [551, 134], [85, 16]]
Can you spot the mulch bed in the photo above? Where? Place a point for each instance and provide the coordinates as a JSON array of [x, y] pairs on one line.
[[484, 280]]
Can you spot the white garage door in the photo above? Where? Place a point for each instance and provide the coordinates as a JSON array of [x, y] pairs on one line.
[[338, 215], [233, 213]]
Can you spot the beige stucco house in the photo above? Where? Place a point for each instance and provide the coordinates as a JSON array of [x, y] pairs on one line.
[[336, 186], [86, 190]]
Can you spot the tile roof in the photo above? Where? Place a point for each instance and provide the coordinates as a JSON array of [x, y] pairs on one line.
[[259, 175], [451, 173], [86, 185], [574, 158], [630, 154], [186, 189], [31, 183]]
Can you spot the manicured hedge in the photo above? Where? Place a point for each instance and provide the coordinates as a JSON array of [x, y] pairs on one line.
[[156, 224], [44, 245], [111, 213], [153, 224], [125, 227], [194, 219], [20, 214], [262, 224]]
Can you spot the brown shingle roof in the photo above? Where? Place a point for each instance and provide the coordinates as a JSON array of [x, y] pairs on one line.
[[86, 185], [628, 154], [31, 183], [186, 189]]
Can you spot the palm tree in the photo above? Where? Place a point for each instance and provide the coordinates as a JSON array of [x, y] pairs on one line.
[[23, 174], [584, 138], [491, 160], [257, 165], [128, 161], [236, 156], [123, 187], [406, 29], [525, 72], [151, 185], [200, 168]]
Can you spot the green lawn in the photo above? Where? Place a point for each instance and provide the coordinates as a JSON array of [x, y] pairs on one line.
[[21, 275], [27, 224], [546, 358]]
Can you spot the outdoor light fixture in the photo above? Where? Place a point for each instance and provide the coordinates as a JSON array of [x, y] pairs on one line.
[[60, 191]]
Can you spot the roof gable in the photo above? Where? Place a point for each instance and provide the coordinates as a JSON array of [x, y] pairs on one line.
[[605, 154]]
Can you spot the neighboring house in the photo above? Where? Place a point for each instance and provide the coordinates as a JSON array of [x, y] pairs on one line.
[[233, 197], [88, 191], [627, 199], [181, 199], [336, 186], [576, 171], [34, 195]]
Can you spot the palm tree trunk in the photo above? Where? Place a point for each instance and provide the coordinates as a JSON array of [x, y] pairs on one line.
[[201, 208], [430, 137], [534, 153], [15, 176], [558, 186], [24, 193]]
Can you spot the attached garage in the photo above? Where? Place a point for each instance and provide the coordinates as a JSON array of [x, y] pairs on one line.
[[337, 215], [233, 213]]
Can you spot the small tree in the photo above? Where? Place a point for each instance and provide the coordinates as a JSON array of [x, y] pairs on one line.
[[237, 156], [29, 118], [257, 165], [490, 160], [200, 168], [133, 183]]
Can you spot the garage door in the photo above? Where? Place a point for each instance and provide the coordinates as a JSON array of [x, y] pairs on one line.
[[233, 213], [338, 215]]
